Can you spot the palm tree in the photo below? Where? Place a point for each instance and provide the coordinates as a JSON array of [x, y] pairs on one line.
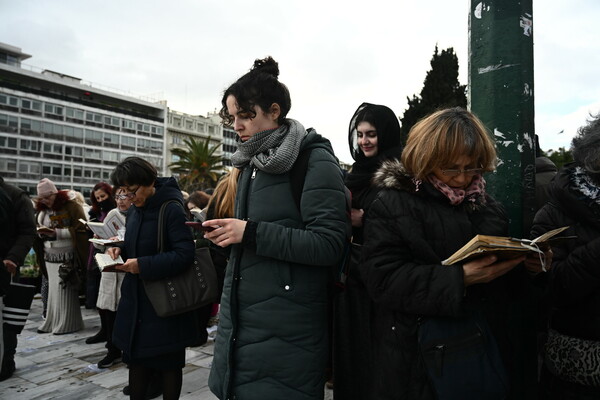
[[197, 165]]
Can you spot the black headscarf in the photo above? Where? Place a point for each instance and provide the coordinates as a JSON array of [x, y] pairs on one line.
[[389, 143]]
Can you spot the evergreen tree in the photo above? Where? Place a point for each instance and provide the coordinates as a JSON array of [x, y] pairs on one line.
[[560, 157], [440, 89], [198, 167]]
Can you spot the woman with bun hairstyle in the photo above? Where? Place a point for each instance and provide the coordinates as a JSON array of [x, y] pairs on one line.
[[272, 337], [373, 136]]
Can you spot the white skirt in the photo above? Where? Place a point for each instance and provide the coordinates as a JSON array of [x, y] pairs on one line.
[[64, 311], [109, 294]]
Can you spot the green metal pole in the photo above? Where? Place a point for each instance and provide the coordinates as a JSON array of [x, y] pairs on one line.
[[501, 95]]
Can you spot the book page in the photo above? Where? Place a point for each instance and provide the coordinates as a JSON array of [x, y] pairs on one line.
[[108, 228], [105, 262], [105, 242], [114, 221]]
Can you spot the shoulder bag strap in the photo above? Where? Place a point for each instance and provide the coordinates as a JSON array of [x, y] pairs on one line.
[[161, 225]]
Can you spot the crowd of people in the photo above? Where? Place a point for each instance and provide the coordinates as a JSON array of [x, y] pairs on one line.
[[404, 326]]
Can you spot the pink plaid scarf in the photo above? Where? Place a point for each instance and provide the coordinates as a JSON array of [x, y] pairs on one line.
[[457, 196]]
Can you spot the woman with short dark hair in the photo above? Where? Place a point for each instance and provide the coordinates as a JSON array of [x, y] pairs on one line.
[[150, 343]]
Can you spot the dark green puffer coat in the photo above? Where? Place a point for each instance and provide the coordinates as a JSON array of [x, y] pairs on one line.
[[272, 337]]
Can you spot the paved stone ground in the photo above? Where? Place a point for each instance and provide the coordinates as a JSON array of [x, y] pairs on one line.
[[64, 366]]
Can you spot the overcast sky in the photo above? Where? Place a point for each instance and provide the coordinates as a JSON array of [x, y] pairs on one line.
[[333, 55]]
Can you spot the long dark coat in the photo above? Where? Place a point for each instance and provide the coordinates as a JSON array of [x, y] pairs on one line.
[[272, 336], [574, 286], [138, 331]]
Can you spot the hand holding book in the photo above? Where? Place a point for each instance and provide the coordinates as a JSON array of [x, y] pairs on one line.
[[106, 263], [504, 247]]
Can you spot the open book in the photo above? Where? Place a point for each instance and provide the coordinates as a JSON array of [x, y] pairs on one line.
[[503, 247], [106, 242], [109, 227], [106, 263]]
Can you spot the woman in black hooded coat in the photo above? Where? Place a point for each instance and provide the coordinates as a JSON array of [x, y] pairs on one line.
[[374, 136], [574, 284]]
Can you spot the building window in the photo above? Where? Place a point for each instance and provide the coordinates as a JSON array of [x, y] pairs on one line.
[[93, 119], [93, 137], [93, 154], [8, 123], [111, 156], [113, 123], [128, 125], [29, 126], [54, 111], [9, 102], [74, 114], [31, 145], [32, 107], [111, 140], [127, 143]]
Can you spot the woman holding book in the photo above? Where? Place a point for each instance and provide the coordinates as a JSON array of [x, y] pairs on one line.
[[373, 136], [63, 243], [151, 345], [109, 292], [102, 201], [431, 204], [572, 352]]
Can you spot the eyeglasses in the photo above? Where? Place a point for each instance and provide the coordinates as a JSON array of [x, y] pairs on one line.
[[467, 172], [125, 196]]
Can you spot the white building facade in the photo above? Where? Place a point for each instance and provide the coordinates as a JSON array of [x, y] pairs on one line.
[[56, 126]]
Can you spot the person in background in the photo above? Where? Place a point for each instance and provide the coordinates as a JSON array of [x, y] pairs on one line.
[[78, 197], [196, 203], [64, 243], [103, 202], [545, 170], [151, 345], [431, 204], [109, 292], [17, 232], [272, 336], [221, 205], [571, 367], [374, 136]]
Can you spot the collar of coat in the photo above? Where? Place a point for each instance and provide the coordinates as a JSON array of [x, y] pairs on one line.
[[392, 175]]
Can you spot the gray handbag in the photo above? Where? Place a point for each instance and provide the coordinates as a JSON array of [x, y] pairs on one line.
[[193, 288]]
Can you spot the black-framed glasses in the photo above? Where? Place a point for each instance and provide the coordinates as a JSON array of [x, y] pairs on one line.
[[467, 172], [128, 195]]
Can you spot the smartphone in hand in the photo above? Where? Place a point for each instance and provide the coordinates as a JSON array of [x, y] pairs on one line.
[[198, 226]]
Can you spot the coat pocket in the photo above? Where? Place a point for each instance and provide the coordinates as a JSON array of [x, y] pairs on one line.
[[462, 358]]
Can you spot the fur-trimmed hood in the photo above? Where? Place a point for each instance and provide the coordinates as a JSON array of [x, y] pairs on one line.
[[392, 175]]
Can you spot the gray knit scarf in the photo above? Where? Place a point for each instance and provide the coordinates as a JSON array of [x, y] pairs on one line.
[[270, 151]]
